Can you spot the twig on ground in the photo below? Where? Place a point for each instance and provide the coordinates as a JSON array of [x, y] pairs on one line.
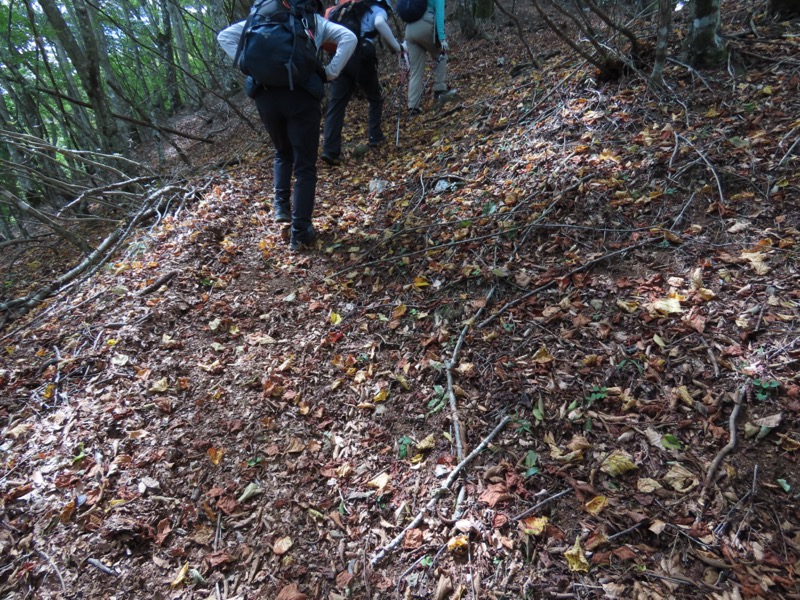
[[157, 283], [539, 505], [449, 366], [711, 357], [55, 568], [710, 167], [727, 449], [99, 565], [625, 532], [428, 508]]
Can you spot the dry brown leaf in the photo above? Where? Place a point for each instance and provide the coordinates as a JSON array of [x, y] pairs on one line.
[[494, 494], [291, 592], [413, 539]]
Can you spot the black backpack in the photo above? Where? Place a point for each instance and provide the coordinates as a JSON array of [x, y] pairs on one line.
[[411, 11], [350, 13], [277, 46]]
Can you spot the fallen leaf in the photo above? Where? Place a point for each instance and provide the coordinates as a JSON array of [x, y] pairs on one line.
[[291, 592], [215, 455], [596, 505], [458, 543], [494, 494], [617, 463], [282, 546], [380, 482], [180, 577], [576, 559], [413, 539], [756, 260], [534, 525]]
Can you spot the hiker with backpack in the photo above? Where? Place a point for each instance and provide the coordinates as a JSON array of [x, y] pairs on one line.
[[277, 47], [368, 19], [425, 35]]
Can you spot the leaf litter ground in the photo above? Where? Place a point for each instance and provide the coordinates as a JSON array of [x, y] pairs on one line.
[[604, 290]]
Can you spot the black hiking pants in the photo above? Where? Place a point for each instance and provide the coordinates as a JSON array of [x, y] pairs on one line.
[[292, 120], [341, 91]]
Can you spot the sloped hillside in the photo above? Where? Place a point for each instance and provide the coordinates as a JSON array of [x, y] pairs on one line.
[[546, 347]]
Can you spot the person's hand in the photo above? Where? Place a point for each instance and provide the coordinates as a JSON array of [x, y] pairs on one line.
[[445, 46]]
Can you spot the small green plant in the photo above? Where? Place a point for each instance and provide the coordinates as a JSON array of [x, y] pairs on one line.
[[438, 401], [597, 393], [403, 444], [531, 463], [765, 387], [81, 454], [538, 411], [523, 425], [255, 461]]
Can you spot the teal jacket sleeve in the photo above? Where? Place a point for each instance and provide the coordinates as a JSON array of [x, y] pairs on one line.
[[438, 12]]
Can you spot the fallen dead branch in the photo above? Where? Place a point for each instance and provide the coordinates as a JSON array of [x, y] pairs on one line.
[[89, 265], [445, 487], [727, 449]]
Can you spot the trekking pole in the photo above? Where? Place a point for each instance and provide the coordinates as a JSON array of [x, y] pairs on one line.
[[404, 67]]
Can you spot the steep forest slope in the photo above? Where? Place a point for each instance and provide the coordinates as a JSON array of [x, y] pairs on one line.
[[547, 347]]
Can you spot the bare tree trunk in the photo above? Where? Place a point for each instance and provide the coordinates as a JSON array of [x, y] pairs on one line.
[[662, 42], [704, 45], [188, 86], [164, 41], [86, 63]]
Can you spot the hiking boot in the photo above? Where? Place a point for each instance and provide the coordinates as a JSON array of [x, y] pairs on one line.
[[306, 239], [282, 215], [333, 161], [444, 95], [378, 142]]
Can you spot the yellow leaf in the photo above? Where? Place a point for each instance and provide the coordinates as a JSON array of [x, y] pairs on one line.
[[159, 386], [617, 463], [380, 482], [457, 543], [420, 282], [399, 311], [542, 356], [756, 260], [576, 559], [180, 577], [335, 318], [596, 505], [427, 444], [215, 455], [630, 307], [534, 525], [382, 394], [667, 306]]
